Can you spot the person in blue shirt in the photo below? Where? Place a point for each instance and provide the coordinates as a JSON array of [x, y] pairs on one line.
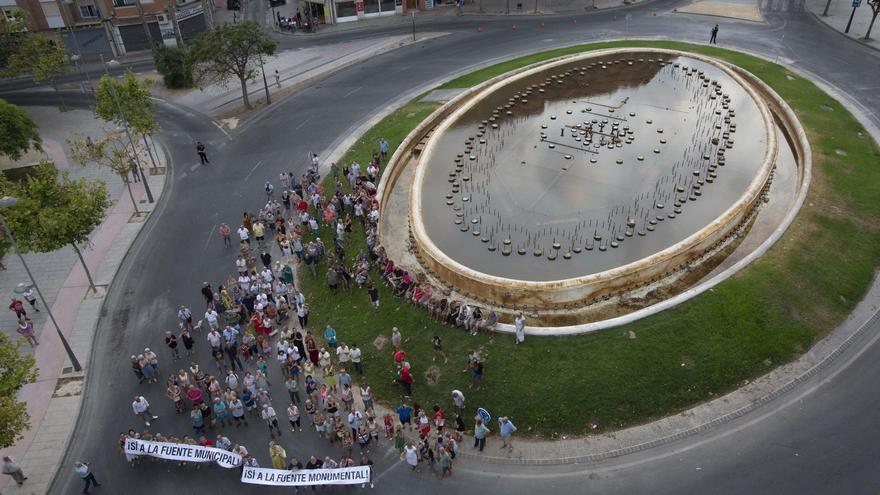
[[506, 430], [404, 413], [330, 336]]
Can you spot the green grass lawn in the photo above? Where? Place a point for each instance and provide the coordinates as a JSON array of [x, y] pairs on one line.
[[765, 316]]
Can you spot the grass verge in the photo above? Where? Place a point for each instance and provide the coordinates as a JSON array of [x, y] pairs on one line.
[[765, 316]]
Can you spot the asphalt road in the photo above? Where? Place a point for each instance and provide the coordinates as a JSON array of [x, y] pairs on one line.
[[824, 442]]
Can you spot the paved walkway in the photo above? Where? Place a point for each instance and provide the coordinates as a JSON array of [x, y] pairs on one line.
[[53, 401], [296, 68], [839, 12]]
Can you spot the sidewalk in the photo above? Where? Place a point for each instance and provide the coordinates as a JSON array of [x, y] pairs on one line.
[[838, 15], [295, 67], [53, 401]]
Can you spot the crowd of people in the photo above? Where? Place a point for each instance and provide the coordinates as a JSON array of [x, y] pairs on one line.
[[248, 323]]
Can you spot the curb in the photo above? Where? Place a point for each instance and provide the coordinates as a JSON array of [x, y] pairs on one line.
[[146, 226], [816, 17], [341, 145]]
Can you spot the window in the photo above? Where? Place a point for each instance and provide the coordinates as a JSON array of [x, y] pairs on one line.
[[88, 11], [123, 3]]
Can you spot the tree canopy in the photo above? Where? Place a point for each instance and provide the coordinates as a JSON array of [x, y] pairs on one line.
[[18, 131], [16, 371], [54, 210], [40, 56], [230, 52], [135, 99]]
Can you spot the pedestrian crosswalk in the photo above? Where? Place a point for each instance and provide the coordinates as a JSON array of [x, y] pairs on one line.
[[782, 5]]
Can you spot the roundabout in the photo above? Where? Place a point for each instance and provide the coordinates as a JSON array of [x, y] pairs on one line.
[[543, 221], [767, 314]]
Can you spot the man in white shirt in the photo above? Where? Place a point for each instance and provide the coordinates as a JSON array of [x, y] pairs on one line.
[[343, 354], [267, 275], [212, 318], [214, 339], [271, 419], [244, 234], [141, 409], [355, 354]]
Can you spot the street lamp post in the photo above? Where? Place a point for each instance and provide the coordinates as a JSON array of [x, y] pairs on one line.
[[265, 84], [6, 202], [137, 162]]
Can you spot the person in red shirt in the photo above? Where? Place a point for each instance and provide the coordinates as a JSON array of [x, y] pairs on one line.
[[17, 306], [406, 379], [399, 356], [439, 419]]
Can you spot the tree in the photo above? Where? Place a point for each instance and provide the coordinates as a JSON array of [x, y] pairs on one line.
[[18, 131], [232, 51], [16, 371], [109, 151], [128, 103], [875, 10], [174, 65], [12, 29], [54, 210], [40, 56]]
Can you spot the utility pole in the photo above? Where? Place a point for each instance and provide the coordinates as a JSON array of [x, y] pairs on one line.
[[208, 8], [414, 24], [265, 84], [172, 9], [144, 23], [137, 162]]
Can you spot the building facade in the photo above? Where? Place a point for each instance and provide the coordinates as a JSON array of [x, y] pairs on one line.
[[114, 27]]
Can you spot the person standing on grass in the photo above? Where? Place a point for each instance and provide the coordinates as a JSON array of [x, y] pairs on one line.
[[480, 432], [395, 338], [383, 148], [406, 379], [520, 325], [438, 349], [458, 401], [506, 429], [355, 354], [374, 296], [13, 469]]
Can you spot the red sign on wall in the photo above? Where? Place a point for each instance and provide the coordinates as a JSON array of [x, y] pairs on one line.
[[359, 6]]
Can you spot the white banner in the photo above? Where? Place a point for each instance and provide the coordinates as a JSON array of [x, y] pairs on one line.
[[182, 452], [306, 477]]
